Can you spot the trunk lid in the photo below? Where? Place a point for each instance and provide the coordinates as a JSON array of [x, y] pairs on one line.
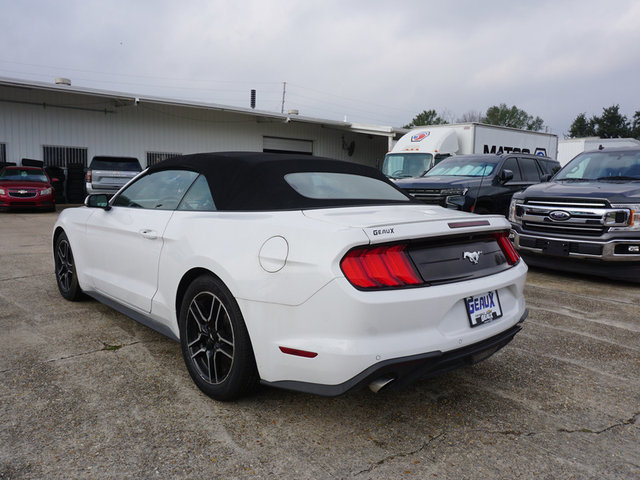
[[388, 223]]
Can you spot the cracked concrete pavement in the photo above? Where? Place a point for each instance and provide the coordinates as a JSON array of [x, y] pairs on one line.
[[88, 393]]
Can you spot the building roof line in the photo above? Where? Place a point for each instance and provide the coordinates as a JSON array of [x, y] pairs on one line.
[[133, 99]]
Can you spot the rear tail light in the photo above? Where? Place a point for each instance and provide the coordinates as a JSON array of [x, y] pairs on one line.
[[87, 177], [507, 248], [379, 267]]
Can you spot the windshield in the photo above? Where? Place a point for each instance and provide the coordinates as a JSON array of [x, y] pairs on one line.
[[123, 164], [462, 167], [602, 165], [402, 165], [334, 186], [23, 175]]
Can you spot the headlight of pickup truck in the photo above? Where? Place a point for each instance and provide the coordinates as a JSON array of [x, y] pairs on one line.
[[512, 212], [454, 196], [633, 219]]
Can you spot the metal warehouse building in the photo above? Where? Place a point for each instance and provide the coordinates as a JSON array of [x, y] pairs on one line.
[[63, 125]]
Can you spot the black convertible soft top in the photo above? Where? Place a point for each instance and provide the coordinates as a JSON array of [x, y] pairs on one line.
[[249, 181]]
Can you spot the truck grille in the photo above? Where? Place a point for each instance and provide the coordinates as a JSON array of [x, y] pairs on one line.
[[581, 217], [432, 196]]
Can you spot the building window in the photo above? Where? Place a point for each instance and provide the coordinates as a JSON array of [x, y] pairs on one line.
[[155, 157], [55, 156], [287, 145], [3, 152]]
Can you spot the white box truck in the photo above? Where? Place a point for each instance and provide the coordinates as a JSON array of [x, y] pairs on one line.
[[423, 147], [569, 148]]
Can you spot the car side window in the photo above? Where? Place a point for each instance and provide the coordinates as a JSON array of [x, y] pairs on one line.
[[529, 169], [198, 198], [547, 167], [158, 190], [512, 164]]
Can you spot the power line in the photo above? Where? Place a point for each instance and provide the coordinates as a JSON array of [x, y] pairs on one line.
[[315, 101]]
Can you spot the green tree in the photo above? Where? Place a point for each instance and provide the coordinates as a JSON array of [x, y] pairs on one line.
[[427, 117], [512, 117], [612, 124], [581, 127]]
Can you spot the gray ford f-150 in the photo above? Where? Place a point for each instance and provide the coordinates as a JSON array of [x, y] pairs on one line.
[[586, 219]]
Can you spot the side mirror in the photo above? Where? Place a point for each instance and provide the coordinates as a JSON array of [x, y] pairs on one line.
[[546, 177], [505, 176], [99, 200]]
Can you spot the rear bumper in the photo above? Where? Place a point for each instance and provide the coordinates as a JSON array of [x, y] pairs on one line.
[[356, 335], [108, 189], [404, 371]]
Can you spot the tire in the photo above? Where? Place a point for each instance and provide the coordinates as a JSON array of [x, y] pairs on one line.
[[66, 276], [215, 343]]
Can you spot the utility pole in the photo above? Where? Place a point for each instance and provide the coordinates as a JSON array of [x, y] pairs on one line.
[[284, 90]]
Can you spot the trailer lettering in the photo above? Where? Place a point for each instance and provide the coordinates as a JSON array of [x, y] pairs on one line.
[[500, 149]]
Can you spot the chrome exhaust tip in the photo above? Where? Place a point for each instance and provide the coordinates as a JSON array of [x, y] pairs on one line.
[[380, 383]]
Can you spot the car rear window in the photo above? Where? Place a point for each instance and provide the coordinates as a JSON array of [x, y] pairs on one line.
[[333, 186], [125, 164]]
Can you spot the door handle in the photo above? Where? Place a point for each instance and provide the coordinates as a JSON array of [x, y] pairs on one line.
[[148, 233]]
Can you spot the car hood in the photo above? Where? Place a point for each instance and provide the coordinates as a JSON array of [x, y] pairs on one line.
[[614, 191], [396, 222], [11, 184], [439, 181]]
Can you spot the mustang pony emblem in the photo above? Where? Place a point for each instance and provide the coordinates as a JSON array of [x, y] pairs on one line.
[[473, 257]]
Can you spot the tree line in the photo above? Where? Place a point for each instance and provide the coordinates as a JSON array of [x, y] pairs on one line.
[[611, 124]]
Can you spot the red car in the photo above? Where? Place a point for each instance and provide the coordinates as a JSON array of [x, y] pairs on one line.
[[26, 187]]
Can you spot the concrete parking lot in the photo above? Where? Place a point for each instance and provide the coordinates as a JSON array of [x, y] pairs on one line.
[[88, 393]]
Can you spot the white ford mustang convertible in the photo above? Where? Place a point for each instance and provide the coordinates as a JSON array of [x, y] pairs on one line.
[[297, 272]]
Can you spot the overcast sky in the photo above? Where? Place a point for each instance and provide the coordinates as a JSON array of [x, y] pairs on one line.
[[374, 62]]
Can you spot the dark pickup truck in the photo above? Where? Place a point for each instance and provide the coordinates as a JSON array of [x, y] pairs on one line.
[[479, 183], [586, 219]]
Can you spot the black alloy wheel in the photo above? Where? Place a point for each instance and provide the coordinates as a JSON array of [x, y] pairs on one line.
[[66, 276], [215, 342]]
